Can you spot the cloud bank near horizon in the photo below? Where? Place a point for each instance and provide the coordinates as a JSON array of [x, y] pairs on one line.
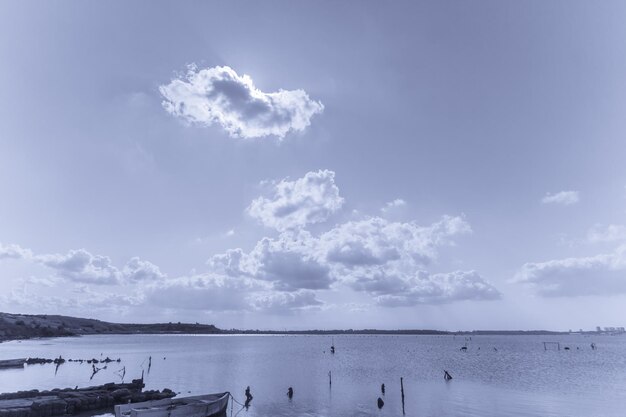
[[603, 274]]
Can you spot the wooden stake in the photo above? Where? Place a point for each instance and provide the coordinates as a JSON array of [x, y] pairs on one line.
[[402, 392], [330, 378]]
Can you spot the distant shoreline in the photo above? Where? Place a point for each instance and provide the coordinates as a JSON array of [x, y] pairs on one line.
[[27, 326]]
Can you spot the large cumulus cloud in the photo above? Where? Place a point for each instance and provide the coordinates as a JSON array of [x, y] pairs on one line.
[[81, 266], [289, 262], [382, 258], [219, 95]]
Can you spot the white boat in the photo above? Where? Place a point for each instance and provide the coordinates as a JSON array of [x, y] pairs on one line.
[[208, 405]]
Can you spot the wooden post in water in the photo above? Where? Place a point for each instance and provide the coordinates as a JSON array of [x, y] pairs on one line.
[[402, 392], [330, 378]]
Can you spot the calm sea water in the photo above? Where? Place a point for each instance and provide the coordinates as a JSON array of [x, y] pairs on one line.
[[519, 379]]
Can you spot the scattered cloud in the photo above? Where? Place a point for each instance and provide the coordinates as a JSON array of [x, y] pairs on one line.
[[219, 95], [565, 198], [603, 274], [294, 204], [391, 205], [610, 233], [12, 251]]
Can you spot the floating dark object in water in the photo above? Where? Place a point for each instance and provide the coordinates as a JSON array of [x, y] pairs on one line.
[[382, 388], [290, 392], [464, 349], [593, 346], [566, 348], [446, 375], [381, 403]]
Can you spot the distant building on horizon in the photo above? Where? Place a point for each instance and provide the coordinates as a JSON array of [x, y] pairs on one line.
[[610, 329]]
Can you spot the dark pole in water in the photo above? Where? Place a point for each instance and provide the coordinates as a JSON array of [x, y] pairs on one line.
[[402, 392], [248, 397], [330, 378]]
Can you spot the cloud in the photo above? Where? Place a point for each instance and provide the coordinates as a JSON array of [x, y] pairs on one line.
[[137, 270], [610, 233], [377, 241], [293, 204], [565, 198], [281, 302], [375, 255], [393, 205], [81, 266], [386, 259], [209, 292], [220, 95], [12, 251], [220, 293], [79, 300], [289, 262], [424, 288], [603, 274]]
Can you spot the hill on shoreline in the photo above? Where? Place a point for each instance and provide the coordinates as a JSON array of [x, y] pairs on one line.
[[27, 326]]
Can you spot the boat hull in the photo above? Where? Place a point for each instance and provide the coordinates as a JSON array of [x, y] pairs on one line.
[[211, 405]]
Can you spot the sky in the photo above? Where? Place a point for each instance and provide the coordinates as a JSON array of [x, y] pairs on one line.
[[294, 165]]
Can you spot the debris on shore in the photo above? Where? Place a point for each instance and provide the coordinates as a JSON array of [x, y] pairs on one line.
[[19, 363], [69, 401]]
